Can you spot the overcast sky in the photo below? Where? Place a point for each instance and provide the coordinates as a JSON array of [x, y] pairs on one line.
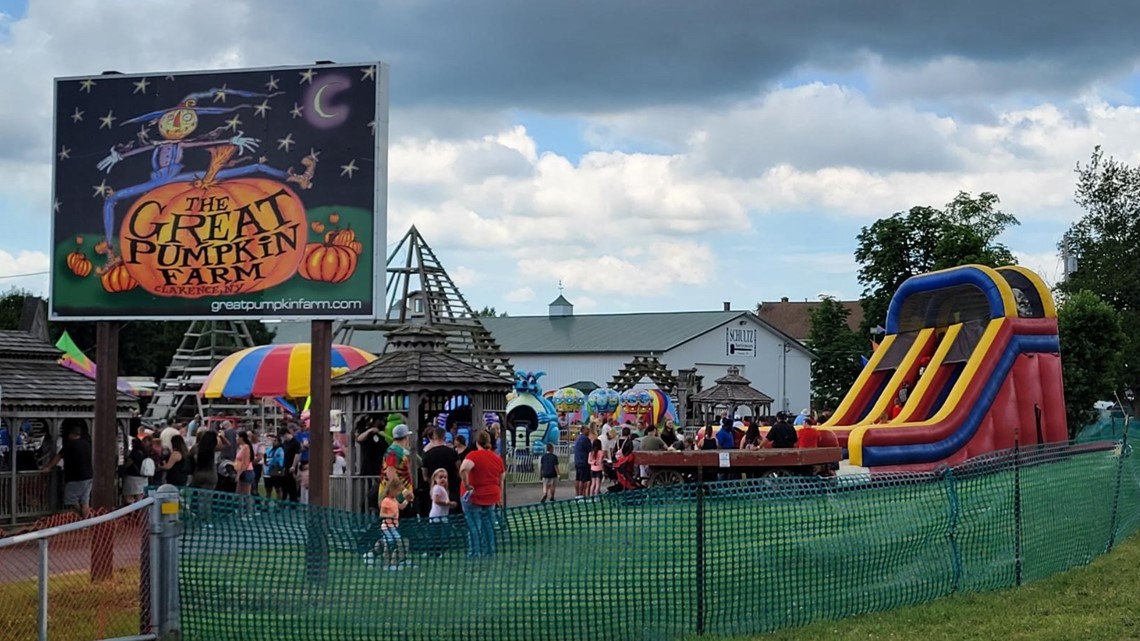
[[651, 154]]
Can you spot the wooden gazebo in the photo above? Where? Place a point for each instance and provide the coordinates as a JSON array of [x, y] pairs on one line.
[[417, 380], [731, 391]]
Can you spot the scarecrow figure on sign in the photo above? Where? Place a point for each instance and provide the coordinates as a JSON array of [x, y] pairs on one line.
[[175, 126]]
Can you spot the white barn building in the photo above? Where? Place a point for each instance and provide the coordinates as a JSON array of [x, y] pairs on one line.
[[595, 347]]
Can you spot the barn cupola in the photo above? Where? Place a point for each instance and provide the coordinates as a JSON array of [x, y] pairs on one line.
[[561, 308]]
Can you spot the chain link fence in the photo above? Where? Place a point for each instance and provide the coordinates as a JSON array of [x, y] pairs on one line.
[[732, 558], [65, 579]]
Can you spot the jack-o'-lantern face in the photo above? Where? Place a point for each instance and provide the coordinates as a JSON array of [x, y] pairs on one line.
[[176, 124]]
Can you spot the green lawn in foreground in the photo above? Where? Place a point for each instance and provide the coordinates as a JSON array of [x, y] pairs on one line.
[[1098, 602]]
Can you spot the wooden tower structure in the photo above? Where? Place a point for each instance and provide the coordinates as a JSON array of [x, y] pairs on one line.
[[419, 292], [203, 346]]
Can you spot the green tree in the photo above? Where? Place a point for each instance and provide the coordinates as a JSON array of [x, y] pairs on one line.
[[1092, 352], [925, 239], [1106, 245], [489, 312], [838, 350], [145, 347]]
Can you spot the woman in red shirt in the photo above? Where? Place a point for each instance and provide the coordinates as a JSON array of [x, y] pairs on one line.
[[482, 473]]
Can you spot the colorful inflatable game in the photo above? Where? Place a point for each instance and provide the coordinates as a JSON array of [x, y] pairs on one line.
[[529, 412], [969, 363]]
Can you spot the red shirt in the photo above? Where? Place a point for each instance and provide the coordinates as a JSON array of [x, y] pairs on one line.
[[485, 477], [809, 437]]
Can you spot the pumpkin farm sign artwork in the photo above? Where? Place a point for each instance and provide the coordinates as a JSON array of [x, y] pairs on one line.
[[251, 194]]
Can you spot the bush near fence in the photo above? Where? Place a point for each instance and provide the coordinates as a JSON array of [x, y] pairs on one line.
[[728, 558]]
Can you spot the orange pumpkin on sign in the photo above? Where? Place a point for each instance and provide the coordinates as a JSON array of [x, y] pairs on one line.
[[79, 264], [118, 279], [203, 238], [328, 263]]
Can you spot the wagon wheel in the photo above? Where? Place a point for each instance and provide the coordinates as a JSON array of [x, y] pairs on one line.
[[665, 477], [776, 473]]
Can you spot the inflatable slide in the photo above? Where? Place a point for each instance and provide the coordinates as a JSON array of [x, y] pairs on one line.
[[969, 363]]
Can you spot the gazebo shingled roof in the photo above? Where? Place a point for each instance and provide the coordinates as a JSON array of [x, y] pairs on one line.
[[417, 363], [732, 388]]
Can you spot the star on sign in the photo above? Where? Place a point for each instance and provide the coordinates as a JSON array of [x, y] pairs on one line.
[[170, 78], [77, 116], [140, 86], [297, 111], [272, 84], [307, 76], [220, 94], [106, 122], [101, 189], [260, 110], [286, 142], [64, 152], [233, 123], [372, 126], [55, 206], [368, 73], [349, 168], [314, 154], [86, 85]]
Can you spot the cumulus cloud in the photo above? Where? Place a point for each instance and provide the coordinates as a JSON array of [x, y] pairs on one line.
[[520, 295], [27, 270]]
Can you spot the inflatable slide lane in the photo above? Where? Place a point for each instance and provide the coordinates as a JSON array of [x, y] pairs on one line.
[[971, 361]]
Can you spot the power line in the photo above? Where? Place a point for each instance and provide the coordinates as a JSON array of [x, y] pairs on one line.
[[23, 275]]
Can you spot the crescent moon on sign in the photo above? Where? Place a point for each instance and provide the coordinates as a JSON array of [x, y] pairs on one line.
[[329, 108], [317, 103]]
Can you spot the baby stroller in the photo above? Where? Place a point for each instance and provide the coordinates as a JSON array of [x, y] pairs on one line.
[[626, 474]]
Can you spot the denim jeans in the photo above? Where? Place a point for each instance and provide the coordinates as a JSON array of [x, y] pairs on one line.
[[480, 530]]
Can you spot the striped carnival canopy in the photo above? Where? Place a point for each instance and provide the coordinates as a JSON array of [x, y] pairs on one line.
[[275, 370]]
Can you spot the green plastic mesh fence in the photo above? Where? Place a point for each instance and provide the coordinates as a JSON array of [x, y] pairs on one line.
[[727, 558]]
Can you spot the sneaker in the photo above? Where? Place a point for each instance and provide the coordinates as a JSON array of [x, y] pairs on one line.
[[369, 559], [392, 568], [406, 563]]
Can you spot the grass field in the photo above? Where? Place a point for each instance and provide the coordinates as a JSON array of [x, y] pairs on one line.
[[1099, 602], [615, 569], [77, 608]]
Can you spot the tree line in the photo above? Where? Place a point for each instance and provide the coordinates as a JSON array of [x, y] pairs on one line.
[[1098, 302], [145, 347]]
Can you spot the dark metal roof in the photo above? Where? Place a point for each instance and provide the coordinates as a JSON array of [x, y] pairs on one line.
[[654, 332]]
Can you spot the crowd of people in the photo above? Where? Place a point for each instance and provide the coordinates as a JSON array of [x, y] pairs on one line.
[[603, 449], [454, 479]]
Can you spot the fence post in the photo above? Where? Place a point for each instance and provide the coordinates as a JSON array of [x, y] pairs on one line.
[[1017, 566], [165, 529], [953, 512], [700, 550], [1116, 490], [43, 590]]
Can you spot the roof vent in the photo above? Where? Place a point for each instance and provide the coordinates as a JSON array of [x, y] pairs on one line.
[[728, 306], [784, 299]]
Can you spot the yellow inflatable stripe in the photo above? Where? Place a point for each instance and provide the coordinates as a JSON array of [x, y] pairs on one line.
[[1038, 284], [924, 383], [855, 439], [857, 387], [886, 399]]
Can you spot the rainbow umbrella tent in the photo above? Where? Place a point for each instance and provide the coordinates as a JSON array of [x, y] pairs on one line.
[[271, 371]]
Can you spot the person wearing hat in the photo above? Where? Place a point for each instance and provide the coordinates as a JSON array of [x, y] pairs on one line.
[[398, 465], [781, 435]]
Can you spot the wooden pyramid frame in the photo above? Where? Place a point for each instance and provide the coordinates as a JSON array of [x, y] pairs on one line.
[[420, 292], [645, 367]]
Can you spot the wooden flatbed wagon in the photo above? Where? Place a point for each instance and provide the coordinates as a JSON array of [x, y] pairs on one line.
[[668, 467]]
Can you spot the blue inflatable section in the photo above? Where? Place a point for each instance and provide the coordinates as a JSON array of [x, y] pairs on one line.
[[930, 452], [942, 280]]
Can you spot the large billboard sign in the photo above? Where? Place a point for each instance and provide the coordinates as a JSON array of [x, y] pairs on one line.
[[245, 194]]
